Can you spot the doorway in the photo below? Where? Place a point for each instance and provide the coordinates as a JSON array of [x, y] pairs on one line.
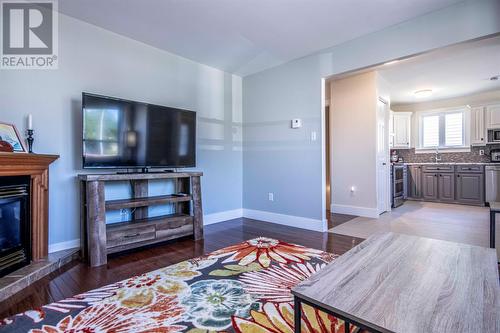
[[356, 148]]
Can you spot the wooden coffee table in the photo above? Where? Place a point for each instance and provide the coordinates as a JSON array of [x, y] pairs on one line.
[[399, 283]]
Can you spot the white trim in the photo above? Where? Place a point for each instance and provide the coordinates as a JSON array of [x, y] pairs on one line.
[[323, 155], [222, 216], [355, 210], [289, 220], [71, 244]]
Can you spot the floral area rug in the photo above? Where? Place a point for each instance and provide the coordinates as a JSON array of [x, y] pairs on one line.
[[241, 288]]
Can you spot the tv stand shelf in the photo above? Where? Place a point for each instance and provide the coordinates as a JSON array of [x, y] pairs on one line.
[[100, 239], [144, 202]]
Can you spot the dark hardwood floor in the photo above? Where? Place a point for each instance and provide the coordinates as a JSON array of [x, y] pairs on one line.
[[337, 219], [77, 277]]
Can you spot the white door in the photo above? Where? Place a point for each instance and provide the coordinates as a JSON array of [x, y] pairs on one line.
[[383, 173]]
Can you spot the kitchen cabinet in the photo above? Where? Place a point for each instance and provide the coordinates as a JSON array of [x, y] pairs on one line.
[[415, 182], [401, 129], [438, 186], [446, 187], [478, 131], [430, 186], [470, 188], [493, 116], [461, 184]]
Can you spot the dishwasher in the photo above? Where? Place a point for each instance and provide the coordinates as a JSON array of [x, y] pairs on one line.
[[492, 186], [492, 183]]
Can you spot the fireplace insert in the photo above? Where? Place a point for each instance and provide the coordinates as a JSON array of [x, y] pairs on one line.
[[15, 234]]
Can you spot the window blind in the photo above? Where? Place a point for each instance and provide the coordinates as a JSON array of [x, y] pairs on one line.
[[430, 131], [453, 129], [442, 130]]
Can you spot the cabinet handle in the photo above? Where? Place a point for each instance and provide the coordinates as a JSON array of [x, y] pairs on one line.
[[130, 236], [440, 175], [482, 139], [458, 176]]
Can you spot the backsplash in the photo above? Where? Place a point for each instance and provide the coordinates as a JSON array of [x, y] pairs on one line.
[[409, 156]]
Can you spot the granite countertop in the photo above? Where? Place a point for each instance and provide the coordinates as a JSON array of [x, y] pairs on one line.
[[448, 163]]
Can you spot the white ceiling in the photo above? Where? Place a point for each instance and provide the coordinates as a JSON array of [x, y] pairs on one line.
[[246, 36], [453, 71]]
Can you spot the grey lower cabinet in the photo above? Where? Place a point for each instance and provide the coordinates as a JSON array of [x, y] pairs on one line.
[[463, 184], [470, 188], [446, 187], [429, 186]]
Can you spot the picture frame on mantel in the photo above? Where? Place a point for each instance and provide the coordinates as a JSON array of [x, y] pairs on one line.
[[10, 134]]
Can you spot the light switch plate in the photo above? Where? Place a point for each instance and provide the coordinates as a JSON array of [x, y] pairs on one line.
[[296, 123]]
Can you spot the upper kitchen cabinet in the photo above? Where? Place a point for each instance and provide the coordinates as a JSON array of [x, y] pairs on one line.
[[493, 116], [401, 129], [478, 131]]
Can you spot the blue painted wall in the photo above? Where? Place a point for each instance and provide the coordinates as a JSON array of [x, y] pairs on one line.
[[95, 60]]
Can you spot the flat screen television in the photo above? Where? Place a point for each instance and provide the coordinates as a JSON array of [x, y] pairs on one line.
[[118, 133]]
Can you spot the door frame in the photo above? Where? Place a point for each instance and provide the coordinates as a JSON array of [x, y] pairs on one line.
[[388, 189], [324, 218]]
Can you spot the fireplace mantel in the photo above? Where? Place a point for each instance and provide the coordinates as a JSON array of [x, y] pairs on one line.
[[37, 167]]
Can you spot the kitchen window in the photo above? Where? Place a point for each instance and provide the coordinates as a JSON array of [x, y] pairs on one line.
[[444, 130]]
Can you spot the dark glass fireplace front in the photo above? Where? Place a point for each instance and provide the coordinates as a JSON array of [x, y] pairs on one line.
[[15, 235]]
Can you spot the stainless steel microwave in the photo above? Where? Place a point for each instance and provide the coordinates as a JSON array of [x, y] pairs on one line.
[[495, 135]]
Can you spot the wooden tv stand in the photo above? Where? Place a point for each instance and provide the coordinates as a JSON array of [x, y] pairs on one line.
[[99, 238]]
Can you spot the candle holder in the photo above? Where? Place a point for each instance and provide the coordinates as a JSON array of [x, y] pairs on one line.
[[30, 140]]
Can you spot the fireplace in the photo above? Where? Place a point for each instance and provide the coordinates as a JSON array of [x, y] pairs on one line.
[[15, 234]]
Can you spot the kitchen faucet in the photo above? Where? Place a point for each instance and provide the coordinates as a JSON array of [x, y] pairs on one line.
[[437, 157]]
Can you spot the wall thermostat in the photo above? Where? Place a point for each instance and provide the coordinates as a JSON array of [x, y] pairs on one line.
[[296, 123]]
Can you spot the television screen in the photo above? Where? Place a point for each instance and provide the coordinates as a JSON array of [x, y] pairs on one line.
[[124, 134]]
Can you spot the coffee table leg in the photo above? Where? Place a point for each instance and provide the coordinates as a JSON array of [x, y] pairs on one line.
[[297, 306]]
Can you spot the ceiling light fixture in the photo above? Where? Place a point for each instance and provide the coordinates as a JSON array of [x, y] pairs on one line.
[[423, 93], [390, 62]]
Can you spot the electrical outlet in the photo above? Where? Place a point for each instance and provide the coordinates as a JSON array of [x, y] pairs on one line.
[[270, 196], [481, 152]]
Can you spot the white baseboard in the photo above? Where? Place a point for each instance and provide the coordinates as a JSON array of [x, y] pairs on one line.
[[64, 245], [289, 220], [222, 216], [354, 210]]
